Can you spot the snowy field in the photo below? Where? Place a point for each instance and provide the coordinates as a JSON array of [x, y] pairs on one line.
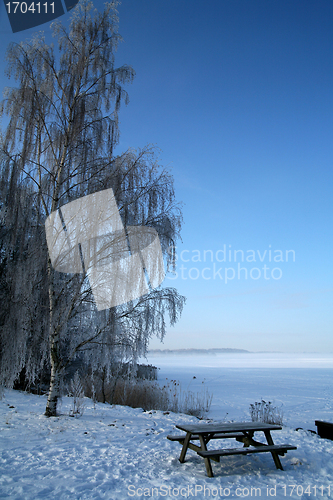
[[119, 452]]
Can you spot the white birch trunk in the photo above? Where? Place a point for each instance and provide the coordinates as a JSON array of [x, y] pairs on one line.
[[56, 372], [54, 392]]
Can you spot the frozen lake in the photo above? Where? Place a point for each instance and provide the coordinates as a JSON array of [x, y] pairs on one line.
[[302, 384]]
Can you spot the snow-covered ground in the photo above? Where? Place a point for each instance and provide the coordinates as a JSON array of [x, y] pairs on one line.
[[120, 452]]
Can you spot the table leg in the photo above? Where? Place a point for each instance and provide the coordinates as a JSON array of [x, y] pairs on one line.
[[206, 459], [248, 440], [274, 455], [185, 447]]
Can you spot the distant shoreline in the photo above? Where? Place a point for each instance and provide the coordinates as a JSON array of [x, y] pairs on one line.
[[213, 351], [171, 360], [190, 352]]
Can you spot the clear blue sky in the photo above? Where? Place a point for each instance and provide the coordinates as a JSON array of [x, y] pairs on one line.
[[238, 95]]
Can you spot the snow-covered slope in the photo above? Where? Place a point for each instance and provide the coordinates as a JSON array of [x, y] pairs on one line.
[[120, 452]]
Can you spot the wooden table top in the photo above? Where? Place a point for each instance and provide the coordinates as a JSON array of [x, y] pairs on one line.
[[228, 427]]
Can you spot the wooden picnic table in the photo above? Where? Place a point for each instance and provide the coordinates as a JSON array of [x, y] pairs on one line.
[[241, 431]]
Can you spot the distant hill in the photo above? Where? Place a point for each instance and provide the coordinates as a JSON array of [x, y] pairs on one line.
[[190, 352]]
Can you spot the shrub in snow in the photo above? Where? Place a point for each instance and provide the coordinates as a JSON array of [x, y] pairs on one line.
[[266, 413], [77, 393], [144, 394], [150, 395], [189, 402]]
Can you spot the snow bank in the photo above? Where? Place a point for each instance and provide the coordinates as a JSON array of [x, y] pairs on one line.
[[120, 452]]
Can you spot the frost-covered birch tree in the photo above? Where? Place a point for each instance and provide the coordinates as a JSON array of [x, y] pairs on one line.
[[58, 147]]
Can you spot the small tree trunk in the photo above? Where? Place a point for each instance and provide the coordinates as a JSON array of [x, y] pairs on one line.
[[56, 365], [56, 376], [103, 386], [54, 391]]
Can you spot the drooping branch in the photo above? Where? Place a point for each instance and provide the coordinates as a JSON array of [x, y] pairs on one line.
[[59, 143]]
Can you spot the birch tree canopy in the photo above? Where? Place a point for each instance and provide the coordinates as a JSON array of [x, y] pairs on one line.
[[58, 147]]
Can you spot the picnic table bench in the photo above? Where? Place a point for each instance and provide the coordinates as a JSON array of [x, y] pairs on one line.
[[242, 431]]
